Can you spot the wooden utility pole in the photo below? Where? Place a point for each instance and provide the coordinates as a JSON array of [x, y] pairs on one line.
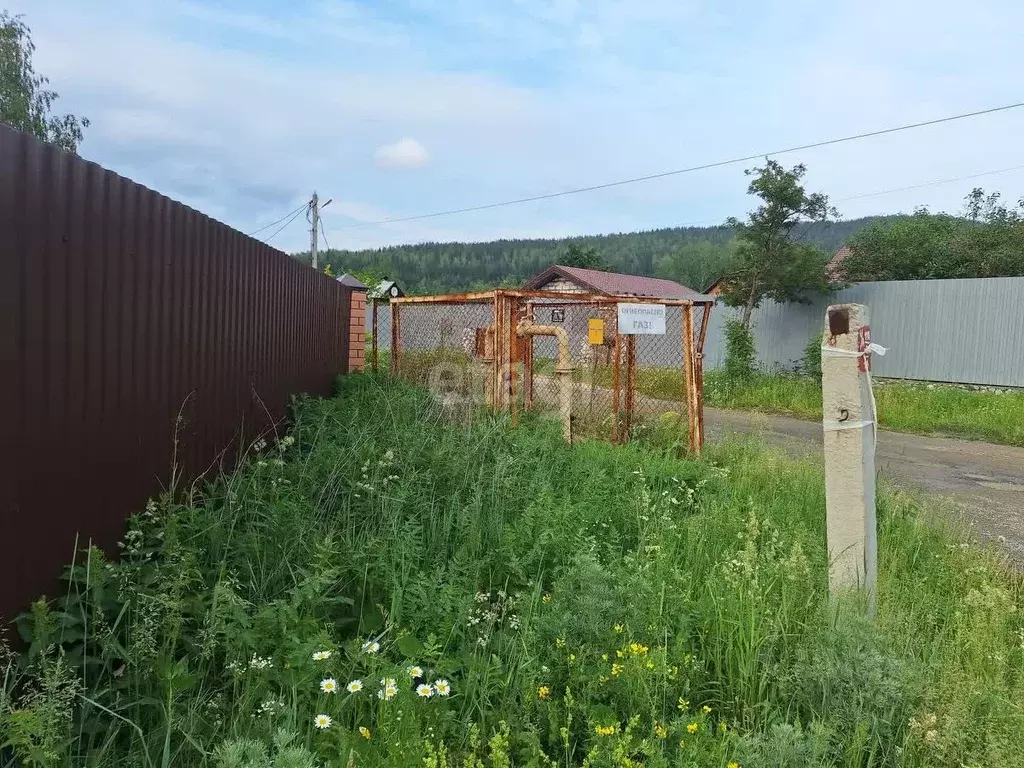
[[314, 208]]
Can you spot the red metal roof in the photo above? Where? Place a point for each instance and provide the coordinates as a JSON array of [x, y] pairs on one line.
[[835, 264], [616, 284]]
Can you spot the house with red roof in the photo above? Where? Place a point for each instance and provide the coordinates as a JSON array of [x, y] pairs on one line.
[[560, 279]]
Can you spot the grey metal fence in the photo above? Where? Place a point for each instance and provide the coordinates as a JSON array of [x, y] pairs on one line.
[[960, 331]]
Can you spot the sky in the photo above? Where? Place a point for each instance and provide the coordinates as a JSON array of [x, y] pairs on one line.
[[394, 108]]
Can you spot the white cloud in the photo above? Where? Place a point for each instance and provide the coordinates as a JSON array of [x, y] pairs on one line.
[[404, 154]]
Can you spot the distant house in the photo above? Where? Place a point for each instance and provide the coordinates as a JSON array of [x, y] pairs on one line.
[[833, 268], [387, 289], [835, 264], [352, 282], [561, 279]]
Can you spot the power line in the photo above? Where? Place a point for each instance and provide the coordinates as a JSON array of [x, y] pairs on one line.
[[930, 184], [294, 216], [691, 169], [327, 246], [268, 226]]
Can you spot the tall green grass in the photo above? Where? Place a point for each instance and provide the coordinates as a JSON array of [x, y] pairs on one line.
[[588, 605]]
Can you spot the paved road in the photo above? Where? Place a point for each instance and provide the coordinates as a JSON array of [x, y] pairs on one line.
[[985, 481]]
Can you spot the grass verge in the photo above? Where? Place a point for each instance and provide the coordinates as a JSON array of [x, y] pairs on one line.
[[385, 588]]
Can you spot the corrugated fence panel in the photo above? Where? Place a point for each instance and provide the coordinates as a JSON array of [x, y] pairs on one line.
[[960, 331], [134, 332]]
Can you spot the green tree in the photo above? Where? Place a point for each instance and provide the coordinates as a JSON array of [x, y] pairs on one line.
[[25, 101], [697, 264], [988, 241], [771, 259], [583, 257]]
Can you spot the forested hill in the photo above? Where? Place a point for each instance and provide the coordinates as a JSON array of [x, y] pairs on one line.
[[692, 255]]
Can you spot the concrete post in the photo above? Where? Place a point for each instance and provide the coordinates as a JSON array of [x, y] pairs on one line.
[[849, 426]]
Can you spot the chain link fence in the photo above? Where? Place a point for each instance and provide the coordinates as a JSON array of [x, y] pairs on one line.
[[553, 354]]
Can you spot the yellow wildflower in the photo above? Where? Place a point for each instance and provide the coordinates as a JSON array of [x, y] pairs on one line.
[[706, 709], [620, 654], [682, 744], [722, 727], [692, 728], [544, 693], [559, 642], [604, 657], [734, 765], [364, 732], [619, 628], [683, 704], [603, 679], [546, 598], [660, 731], [637, 649], [572, 657], [616, 670], [605, 730], [650, 665]]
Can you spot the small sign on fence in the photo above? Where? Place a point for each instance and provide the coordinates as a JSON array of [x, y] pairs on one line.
[[557, 315], [642, 319], [595, 330]]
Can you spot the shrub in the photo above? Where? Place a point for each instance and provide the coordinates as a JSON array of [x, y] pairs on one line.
[[811, 364], [740, 351]]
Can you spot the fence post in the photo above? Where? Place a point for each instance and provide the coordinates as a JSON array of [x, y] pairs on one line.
[[396, 336], [373, 338], [696, 439], [616, 386], [848, 419], [630, 385]]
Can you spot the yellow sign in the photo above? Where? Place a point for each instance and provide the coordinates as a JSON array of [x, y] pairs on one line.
[[595, 331]]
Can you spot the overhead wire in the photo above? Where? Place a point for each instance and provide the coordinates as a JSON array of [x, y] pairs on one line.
[[930, 184], [294, 216], [324, 233], [691, 169], [268, 226]]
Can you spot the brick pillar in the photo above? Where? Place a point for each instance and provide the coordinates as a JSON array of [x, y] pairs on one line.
[[357, 333]]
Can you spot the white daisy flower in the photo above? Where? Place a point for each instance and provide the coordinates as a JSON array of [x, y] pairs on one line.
[[415, 671], [322, 721], [425, 691], [388, 682], [355, 686], [329, 685], [371, 646], [387, 693], [443, 687], [321, 655]]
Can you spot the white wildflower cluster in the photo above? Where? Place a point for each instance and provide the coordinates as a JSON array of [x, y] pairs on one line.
[[271, 706], [256, 662], [285, 443], [259, 445], [492, 611], [388, 688], [926, 728], [384, 465]]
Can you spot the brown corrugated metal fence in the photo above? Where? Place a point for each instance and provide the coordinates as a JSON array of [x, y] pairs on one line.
[[126, 319]]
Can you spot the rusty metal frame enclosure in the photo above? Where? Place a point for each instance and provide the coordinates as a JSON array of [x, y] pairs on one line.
[[501, 341]]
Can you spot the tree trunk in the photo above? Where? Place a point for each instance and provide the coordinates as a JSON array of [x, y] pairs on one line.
[[748, 309]]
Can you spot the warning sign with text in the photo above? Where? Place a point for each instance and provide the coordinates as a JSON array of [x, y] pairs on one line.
[[642, 319]]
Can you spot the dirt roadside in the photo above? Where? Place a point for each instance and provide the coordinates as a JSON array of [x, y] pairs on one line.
[[984, 481]]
